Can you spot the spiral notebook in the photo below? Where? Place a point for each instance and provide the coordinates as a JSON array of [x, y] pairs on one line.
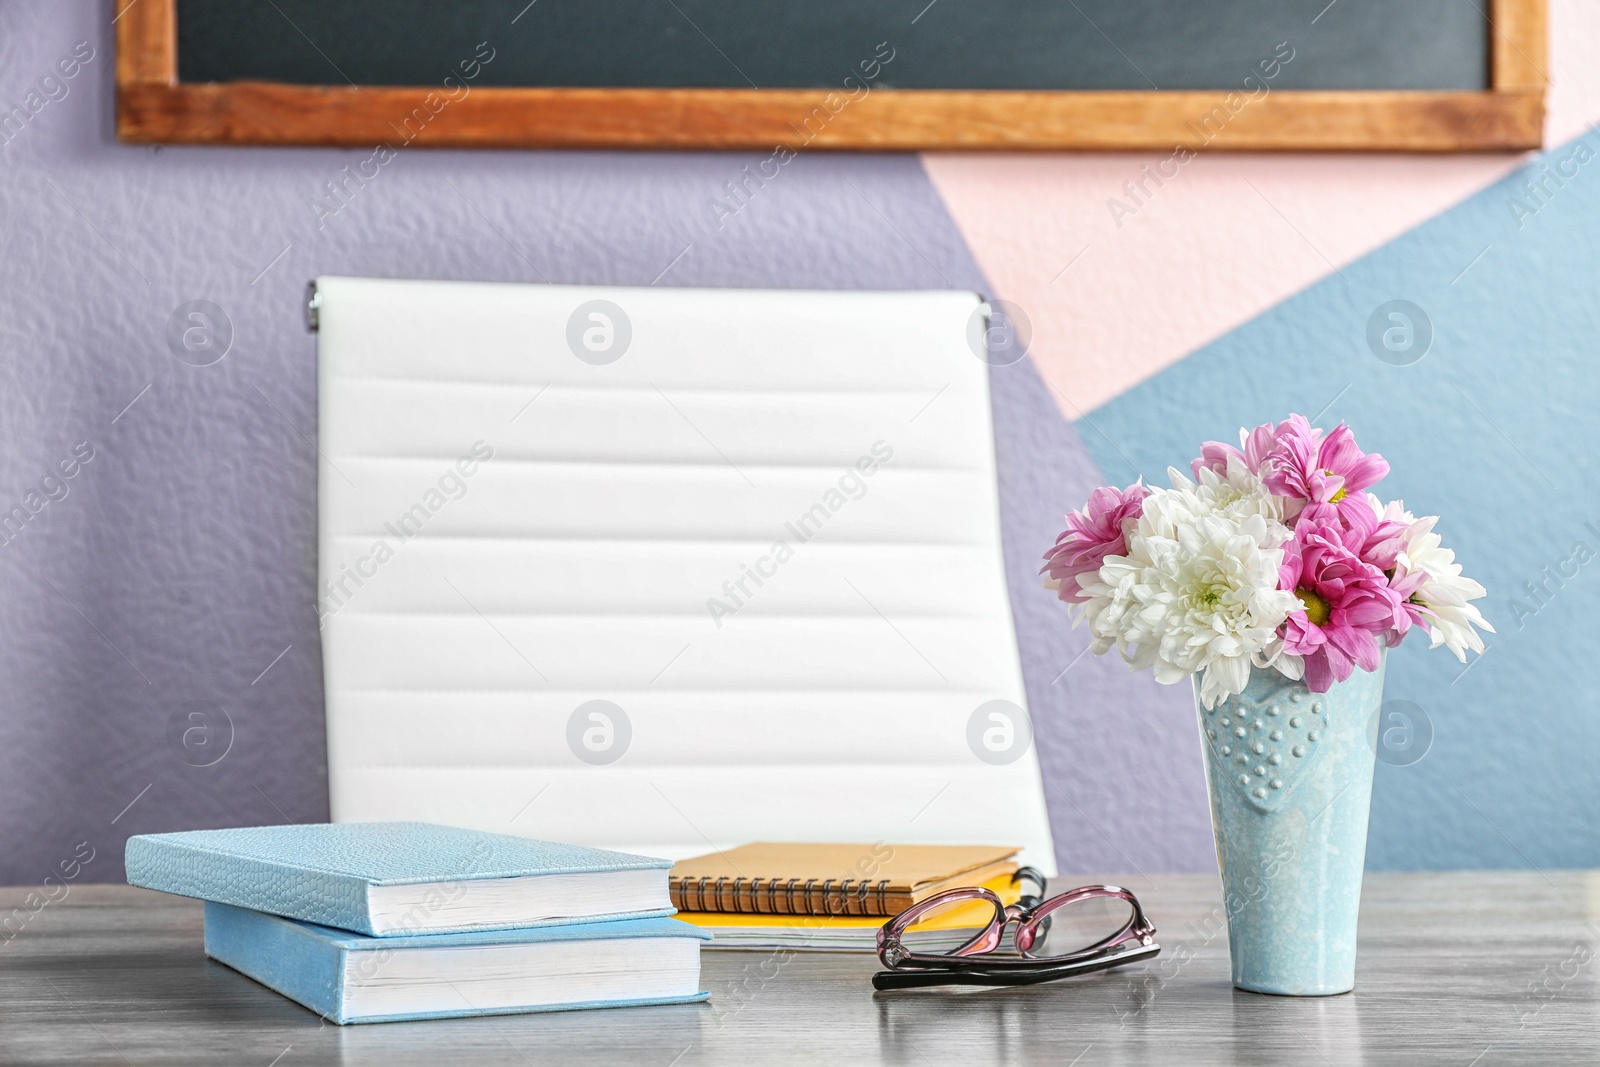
[[877, 880], [843, 933]]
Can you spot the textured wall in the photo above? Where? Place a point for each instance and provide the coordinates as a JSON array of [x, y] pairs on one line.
[[1492, 428], [1116, 294], [176, 574], [1121, 298]]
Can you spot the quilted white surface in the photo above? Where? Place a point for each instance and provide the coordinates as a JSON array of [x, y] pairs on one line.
[[577, 531]]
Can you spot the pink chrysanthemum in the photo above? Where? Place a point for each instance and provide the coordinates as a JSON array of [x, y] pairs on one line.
[[1255, 447], [1346, 603], [1377, 532], [1326, 476], [1098, 531], [1276, 556]]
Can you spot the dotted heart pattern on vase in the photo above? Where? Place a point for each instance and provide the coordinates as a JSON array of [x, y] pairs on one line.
[[1265, 745]]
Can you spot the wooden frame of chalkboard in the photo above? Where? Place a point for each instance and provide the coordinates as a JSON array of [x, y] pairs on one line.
[[153, 106]]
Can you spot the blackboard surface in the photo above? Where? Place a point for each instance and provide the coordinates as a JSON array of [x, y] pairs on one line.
[[777, 44]]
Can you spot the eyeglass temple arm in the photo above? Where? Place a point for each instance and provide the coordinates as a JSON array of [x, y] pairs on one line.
[[1030, 874], [936, 977]]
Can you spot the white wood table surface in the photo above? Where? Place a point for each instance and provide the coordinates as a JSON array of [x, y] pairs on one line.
[[1465, 968]]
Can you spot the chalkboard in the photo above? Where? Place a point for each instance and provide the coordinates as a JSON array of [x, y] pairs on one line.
[[1430, 75], [814, 44]]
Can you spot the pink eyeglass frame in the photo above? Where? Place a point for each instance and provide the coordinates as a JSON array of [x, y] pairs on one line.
[[971, 962]]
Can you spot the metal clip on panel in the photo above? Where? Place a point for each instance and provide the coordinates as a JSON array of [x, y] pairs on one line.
[[313, 307]]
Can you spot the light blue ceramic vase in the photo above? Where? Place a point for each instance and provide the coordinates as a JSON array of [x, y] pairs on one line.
[[1290, 773]]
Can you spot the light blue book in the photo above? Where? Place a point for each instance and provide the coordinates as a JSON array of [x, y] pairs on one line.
[[350, 978], [394, 878]]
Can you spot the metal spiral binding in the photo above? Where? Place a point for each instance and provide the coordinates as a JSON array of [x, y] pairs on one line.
[[834, 897]]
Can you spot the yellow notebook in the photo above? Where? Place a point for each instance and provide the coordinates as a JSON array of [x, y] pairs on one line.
[[863, 881], [845, 933]]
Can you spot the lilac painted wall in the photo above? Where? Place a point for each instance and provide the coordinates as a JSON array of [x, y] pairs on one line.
[[176, 573], [1118, 751]]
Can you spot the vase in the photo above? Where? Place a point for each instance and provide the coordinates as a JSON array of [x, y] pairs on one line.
[[1290, 777]]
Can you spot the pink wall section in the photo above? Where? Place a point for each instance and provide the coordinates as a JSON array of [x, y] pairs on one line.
[[1114, 298]]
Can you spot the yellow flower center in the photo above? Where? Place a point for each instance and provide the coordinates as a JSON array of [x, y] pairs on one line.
[[1339, 494], [1316, 608]]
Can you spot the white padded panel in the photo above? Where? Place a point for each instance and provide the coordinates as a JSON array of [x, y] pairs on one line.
[[577, 562]]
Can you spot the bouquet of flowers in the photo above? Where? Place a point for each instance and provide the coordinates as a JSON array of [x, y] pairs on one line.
[[1274, 555]]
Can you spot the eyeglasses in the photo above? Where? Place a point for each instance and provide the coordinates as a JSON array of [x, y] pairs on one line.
[[1091, 928]]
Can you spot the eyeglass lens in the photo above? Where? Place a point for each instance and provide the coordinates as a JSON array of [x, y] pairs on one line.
[[1080, 925], [944, 928]]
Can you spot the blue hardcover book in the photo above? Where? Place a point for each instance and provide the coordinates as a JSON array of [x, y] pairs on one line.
[[350, 978], [392, 878]]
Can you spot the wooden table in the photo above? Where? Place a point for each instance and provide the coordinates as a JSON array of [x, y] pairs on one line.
[[1480, 969]]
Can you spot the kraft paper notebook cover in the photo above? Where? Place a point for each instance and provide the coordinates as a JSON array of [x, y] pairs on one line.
[[350, 978], [878, 880], [845, 933], [400, 878]]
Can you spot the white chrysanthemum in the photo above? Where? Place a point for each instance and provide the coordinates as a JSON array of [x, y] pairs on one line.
[[1393, 511], [1197, 591], [1237, 495], [1445, 592]]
